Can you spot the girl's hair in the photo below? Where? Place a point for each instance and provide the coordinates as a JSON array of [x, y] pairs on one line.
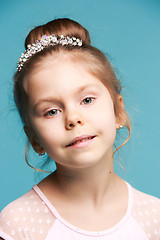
[[95, 62]]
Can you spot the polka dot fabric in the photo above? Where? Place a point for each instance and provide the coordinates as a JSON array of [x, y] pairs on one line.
[[33, 217], [146, 211], [26, 218]]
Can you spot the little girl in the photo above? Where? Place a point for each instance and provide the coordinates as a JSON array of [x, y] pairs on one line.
[[69, 100]]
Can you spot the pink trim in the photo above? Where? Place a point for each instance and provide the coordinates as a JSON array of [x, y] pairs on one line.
[[84, 232], [5, 236]]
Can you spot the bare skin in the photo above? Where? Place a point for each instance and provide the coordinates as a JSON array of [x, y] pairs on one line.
[[90, 203], [85, 190]]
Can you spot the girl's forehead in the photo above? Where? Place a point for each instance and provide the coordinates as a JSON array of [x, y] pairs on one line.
[[62, 78], [62, 73]]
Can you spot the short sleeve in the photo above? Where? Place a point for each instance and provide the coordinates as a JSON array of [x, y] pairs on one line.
[[146, 211], [26, 218]]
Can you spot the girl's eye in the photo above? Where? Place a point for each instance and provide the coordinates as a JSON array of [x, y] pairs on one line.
[[88, 100], [52, 112]]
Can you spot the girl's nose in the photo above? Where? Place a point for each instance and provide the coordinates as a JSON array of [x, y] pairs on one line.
[[72, 120], [71, 125]]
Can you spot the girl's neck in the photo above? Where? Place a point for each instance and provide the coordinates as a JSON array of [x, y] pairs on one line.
[[91, 188], [92, 184]]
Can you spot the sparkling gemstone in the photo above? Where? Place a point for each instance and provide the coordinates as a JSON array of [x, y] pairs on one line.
[[33, 51], [63, 42], [45, 42], [38, 45], [53, 39], [70, 41]]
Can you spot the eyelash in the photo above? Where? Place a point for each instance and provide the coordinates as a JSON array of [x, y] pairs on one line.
[[51, 114], [90, 98]]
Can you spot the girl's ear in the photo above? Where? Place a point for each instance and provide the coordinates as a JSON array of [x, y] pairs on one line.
[[34, 142], [120, 118]]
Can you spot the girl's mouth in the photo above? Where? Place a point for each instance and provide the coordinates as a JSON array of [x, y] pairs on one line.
[[81, 141]]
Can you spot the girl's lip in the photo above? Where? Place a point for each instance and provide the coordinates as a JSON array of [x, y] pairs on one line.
[[81, 140]]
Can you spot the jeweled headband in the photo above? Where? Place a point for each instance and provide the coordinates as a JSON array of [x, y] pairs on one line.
[[44, 42]]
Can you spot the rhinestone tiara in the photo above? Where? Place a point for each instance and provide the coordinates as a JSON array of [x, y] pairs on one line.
[[44, 42]]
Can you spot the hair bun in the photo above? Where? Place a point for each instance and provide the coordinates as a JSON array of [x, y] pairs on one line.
[[61, 26]]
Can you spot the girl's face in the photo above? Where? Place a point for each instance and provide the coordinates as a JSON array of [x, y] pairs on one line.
[[71, 113]]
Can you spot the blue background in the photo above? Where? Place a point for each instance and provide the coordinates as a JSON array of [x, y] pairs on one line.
[[129, 30]]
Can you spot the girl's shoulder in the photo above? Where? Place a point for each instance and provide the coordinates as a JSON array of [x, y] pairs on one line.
[[26, 215], [143, 200], [146, 211]]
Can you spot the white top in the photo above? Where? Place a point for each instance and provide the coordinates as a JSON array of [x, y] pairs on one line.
[[33, 217]]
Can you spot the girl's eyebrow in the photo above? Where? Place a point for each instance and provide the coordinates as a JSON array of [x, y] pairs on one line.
[[45, 100], [86, 87], [55, 100]]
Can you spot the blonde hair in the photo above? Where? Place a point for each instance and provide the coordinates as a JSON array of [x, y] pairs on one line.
[[92, 59]]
